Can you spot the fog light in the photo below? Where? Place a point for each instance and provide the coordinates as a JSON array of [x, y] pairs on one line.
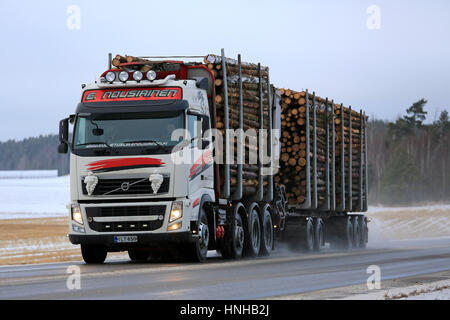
[[176, 226], [123, 76], [77, 229]]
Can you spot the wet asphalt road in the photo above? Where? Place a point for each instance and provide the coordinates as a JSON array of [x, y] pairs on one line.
[[283, 273]]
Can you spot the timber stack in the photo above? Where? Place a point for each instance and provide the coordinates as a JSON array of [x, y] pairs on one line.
[[245, 86], [322, 152]]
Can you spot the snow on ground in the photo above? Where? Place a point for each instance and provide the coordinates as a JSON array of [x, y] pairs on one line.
[[23, 174], [34, 198], [439, 290], [401, 223]]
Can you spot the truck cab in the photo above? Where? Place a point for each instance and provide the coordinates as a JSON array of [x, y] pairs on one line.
[[141, 164]]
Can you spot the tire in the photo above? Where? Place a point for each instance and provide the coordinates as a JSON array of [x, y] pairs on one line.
[[198, 250], [302, 238], [267, 234], [318, 234], [356, 232], [93, 254], [233, 244], [364, 232], [254, 234], [137, 255], [346, 234], [308, 240]]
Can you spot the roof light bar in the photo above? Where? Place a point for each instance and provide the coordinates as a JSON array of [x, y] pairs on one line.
[[151, 75], [110, 76], [123, 76], [138, 76]]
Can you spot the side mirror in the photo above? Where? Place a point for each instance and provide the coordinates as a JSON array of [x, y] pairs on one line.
[[64, 130], [63, 147], [63, 136]]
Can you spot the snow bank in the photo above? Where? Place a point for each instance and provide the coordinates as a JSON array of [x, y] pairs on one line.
[[402, 223], [34, 198], [23, 174], [439, 290]]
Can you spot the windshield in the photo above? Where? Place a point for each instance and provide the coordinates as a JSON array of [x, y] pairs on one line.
[[116, 131]]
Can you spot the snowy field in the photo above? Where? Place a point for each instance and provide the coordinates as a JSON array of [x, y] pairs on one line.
[[34, 197], [439, 290], [31, 197], [403, 223]]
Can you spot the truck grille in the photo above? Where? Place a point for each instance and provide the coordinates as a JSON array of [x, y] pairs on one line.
[[158, 212], [119, 186]]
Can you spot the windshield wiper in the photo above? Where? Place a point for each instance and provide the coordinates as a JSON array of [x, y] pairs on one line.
[[91, 143], [146, 141]]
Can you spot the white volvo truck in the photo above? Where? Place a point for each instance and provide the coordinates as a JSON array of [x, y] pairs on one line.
[[143, 177]]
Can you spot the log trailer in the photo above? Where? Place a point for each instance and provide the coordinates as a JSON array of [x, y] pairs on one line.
[[153, 169]]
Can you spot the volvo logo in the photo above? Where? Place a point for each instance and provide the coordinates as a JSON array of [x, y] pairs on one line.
[[125, 186]]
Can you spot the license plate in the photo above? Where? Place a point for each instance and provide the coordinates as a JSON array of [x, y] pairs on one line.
[[125, 239]]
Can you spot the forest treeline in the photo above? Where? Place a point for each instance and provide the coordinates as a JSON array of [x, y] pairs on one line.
[[409, 161], [37, 153]]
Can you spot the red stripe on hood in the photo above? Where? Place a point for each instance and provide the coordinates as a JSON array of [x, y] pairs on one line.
[[124, 162]]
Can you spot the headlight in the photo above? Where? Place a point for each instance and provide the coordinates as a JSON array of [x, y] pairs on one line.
[[123, 76], [76, 214], [177, 211], [110, 76], [151, 75], [137, 76]]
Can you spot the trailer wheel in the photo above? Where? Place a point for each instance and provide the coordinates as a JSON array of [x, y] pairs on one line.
[[346, 235], [198, 250], [308, 241], [356, 232], [254, 233], [364, 232], [267, 233], [318, 234], [303, 237], [93, 254], [139, 255], [233, 244]]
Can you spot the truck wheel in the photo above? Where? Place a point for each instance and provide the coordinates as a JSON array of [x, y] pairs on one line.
[[254, 232], [308, 240], [303, 239], [364, 231], [199, 249], [318, 234], [267, 234], [137, 255], [345, 240], [233, 244], [93, 254], [356, 232]]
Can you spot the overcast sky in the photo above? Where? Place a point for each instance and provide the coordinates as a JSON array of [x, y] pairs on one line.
[[330, 47]]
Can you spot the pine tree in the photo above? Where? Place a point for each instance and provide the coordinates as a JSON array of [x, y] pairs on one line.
[[416, 114]]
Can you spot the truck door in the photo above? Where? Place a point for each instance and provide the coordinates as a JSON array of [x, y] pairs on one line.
[[201, 173]]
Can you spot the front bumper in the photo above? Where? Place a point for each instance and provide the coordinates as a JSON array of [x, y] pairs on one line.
[[144, 239]]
